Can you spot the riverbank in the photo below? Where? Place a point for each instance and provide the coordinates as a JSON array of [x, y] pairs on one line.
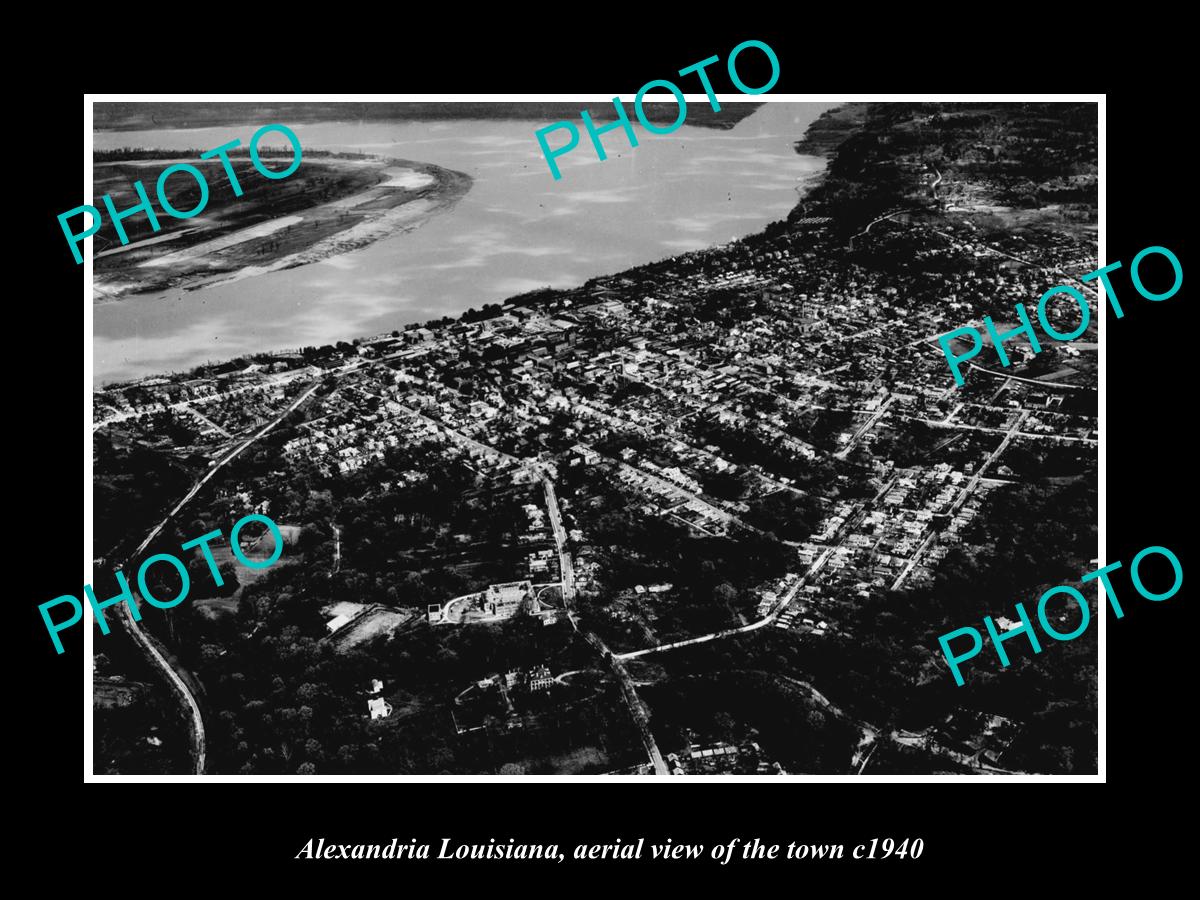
[[514, 231], [334, 204]]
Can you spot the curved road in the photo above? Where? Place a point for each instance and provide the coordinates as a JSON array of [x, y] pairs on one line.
[[1042, 384], [637, 709], [839, 538], [148, 648], [135, 631]]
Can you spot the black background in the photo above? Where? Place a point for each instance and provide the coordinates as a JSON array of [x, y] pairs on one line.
[[987, 831]]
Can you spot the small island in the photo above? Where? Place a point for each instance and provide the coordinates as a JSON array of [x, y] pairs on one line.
[[333, 204]]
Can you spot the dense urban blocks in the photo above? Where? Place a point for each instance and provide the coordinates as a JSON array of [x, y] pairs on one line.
[[623, 122], [125, 595], [1085, 616], [955, 360], [144, 205]]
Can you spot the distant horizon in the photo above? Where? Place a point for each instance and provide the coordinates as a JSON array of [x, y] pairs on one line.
[[117, 116]]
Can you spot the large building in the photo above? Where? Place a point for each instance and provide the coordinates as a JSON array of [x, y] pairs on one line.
[[505, 599], [539, 679], [379, 708]]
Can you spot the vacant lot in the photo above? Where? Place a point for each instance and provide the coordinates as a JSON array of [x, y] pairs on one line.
[[376, 622], [343, 608], [215, 607], [580, 760]]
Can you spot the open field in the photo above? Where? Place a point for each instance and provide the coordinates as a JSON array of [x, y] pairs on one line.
[[579, 760], [215, 607], [223, 555], [265, 545], [371, 624], [343, 608]]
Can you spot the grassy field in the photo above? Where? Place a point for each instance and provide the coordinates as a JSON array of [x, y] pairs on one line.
[[215, 607], [576, 761], [377, 622]]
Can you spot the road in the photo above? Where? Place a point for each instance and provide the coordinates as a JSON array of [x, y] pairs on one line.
[[1089, 289], [912, 563], [207, 421], [818, 564], [867, 426], [676, 435], [641, 716], [885, 216], [451, 432], [784, 602], [188, 405], [216, 467], [177, 683], [930, 343], [135, 631], [942, 423], [1041, 384], [788, 441], [934, 186], [974, 482], [685, 495], [869, 731], [637, 709], [863, 767], [560, 538], [634, 654]]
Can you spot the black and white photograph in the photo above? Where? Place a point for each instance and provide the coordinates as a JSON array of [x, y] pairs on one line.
[[549, 450], [518, 439]]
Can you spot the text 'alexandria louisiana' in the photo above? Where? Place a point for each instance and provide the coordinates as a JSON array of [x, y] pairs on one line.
[[316, 848]]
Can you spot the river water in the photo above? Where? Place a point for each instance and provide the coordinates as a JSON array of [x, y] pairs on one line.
[[517, 229]]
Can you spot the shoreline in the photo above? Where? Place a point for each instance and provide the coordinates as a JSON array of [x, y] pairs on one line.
[[404, 194], [797, 193], [803, 187]]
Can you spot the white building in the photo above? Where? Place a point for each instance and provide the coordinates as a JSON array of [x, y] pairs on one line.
[[380, 708]]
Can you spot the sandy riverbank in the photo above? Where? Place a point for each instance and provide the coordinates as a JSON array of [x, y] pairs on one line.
[[340, 205]]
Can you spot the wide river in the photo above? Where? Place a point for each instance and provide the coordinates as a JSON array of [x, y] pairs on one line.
[[516, 229]]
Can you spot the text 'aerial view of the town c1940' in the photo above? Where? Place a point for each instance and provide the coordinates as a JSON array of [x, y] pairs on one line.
[[654, 469]]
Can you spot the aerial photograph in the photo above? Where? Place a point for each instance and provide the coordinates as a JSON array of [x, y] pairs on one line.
[[656, 468]]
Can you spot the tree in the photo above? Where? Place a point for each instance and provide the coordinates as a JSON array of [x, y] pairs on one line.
[[307, 692], [306, 768], [725, 593], [230, 579], [724, 726], [210, 653]]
